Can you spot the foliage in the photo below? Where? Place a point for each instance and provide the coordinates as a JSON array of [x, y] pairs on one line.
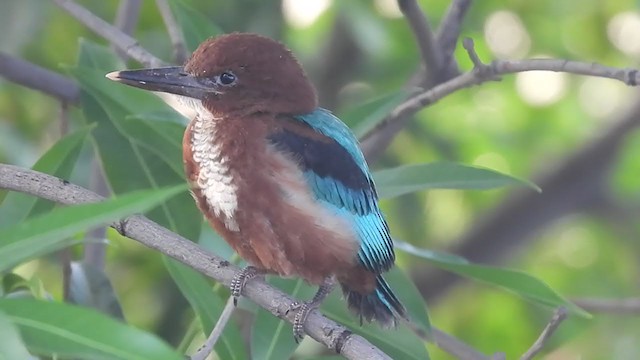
[[484, 134]]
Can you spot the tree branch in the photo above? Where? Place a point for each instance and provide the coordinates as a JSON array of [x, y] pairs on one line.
[[447, 39], [115, 36], [126, 20], [180, 52], [377, 139], [449, 30], [429, 49], [327, 332], [610, 306], [455, 347], [558, 316], [38, 78], [206, 349]]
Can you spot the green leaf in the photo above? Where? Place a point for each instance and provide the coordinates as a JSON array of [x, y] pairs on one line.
[[208, 306], [13, 282], [399, 343], [54, 230], [99, 57], [71, 331], [11, 345], [196, 28], [90, 287], [514, 281], [272, 338], [364, 117], [58, 161], [15, 286], [135, 154], [441, 175], [163, 139], [411, 298]]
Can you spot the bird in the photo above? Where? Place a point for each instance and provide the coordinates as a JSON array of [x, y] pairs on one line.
[[281, 179]]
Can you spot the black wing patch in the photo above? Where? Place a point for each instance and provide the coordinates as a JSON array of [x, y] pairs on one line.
[[324, 158]]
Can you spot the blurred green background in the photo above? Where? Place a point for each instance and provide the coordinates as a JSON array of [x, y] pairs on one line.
[[576, 137]]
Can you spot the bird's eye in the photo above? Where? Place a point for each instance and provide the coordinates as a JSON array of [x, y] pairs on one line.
[[227, 78]]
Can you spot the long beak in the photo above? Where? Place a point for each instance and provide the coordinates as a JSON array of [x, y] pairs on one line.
[[173, 80]]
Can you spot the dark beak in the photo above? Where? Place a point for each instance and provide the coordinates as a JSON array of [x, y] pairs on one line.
[[173, 80]]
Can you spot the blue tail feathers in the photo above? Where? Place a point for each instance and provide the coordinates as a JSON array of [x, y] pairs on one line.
[[381, 306]]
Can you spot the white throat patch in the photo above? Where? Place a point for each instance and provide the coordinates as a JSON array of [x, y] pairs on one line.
[[214, 179]]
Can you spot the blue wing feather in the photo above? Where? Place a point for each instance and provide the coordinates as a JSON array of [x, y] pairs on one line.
[[337, 173]]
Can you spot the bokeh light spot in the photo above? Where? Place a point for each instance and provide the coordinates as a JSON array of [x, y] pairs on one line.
[[541, 88], [301, 14], [506, 36], [623, 30]]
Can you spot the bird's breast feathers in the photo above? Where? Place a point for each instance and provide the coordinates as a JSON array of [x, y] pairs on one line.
[[213, 176]]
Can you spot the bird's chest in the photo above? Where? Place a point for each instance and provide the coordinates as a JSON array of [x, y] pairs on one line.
[[208, 169]]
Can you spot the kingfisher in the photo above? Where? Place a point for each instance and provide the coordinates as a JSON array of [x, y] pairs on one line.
[[281, 179]]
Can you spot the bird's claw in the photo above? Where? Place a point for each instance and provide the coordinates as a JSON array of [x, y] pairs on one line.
[[240, 280], [302, 312], [304, 308]]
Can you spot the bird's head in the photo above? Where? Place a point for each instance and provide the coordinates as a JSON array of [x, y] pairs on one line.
[[233, 73]]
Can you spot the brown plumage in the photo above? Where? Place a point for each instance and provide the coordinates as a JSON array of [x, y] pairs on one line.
[[284, 237], [281, 180]]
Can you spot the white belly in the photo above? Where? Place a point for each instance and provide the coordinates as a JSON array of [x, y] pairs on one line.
[[214, 178]]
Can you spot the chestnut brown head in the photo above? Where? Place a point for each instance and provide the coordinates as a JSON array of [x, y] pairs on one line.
[[232, 73]]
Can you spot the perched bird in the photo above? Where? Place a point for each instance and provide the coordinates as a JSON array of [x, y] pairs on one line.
[[280, 179]]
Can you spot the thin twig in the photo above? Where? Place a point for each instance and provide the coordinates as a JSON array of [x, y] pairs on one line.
[[469, 46], [207, 347], [610, 306], [455, 347], [447, 343], [447, 39], [327, 332], [180, 52], [38, 78], [381, 134], [558, 316], [116, 37], [126, 20], [449, 30], [429, 48]]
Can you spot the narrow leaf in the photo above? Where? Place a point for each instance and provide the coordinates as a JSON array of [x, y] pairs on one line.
[[272, 338], [11, 345], [58, 161], [163, 139], [514, 281], [411, 298], [441, 175], [54, 230], [208, 306], [364, 117], [71, 331], [89, 286], [196, 28]]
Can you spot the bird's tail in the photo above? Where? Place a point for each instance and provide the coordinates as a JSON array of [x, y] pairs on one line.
[[381, 305]]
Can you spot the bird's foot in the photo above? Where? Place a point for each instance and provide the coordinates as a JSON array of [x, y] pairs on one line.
[[304, 308], [240, 280]]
